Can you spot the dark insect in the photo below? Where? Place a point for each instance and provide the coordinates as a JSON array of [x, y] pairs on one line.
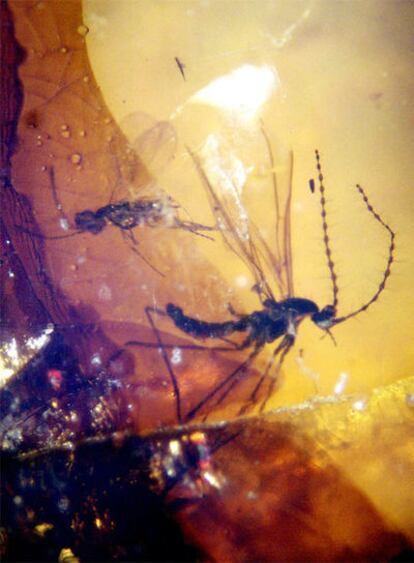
[[312, 185], [181, 66], [125, 215], [276, 320]]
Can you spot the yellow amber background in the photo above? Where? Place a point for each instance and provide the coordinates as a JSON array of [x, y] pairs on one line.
[[346, 87]]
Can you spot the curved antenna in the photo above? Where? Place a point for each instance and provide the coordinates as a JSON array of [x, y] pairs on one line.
[[387, 271], [59, 207], [326, 240], [45, 237]]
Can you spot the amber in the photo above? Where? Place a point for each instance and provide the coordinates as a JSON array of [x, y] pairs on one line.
[[95, 466]]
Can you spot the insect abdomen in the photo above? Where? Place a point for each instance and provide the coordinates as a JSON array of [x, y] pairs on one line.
[[203, 329]]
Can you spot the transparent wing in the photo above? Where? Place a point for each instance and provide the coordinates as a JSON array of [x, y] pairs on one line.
[[153, 142], [225, 177]]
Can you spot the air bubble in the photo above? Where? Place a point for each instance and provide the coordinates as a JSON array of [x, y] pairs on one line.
[[65, 134], [83, 30], [76, 158], [63, 49], [82, 133], [86, 78]]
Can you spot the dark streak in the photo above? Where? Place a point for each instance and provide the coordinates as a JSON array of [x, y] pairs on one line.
[[181, 66]]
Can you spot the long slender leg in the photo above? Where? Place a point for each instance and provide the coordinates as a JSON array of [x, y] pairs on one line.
[[149, 311], [243, 366], [194, 228], [129, 236], [56, 199], [288, 342], [282, 349]]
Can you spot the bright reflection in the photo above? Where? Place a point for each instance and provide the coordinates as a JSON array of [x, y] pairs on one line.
[[14, 356], [242, 92]]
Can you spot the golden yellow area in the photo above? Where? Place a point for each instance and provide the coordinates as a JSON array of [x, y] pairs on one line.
[[343, 85], [41, 529], [371, 443]]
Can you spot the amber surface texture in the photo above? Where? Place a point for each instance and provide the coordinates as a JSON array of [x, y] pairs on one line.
[[160, 203]]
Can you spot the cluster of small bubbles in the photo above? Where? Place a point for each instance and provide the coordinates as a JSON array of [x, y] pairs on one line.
[[12, 439], [76, 158], [64, 131]]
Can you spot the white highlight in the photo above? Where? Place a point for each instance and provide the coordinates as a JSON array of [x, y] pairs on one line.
[[64, 224], [243, 91], [176, 356], [341, 383], [174, 447], [96, 360], [212, 479], [360, 405]]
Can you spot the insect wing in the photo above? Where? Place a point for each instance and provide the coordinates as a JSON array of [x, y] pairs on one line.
[[226, 179], [154, 142]]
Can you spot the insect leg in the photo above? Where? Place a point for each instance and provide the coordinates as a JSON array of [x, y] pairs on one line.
[[129, 236], [283, 350], [230, 378], [56, 200], [150, 311], [59, 207], [194, 228]]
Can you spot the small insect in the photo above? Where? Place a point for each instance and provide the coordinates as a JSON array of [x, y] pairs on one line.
[[125, 215], [181, 66], [312, 185], [278, 319]]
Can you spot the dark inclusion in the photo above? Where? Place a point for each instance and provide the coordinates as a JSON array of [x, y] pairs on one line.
[[53, 403], [70, 487], [71, 490]]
